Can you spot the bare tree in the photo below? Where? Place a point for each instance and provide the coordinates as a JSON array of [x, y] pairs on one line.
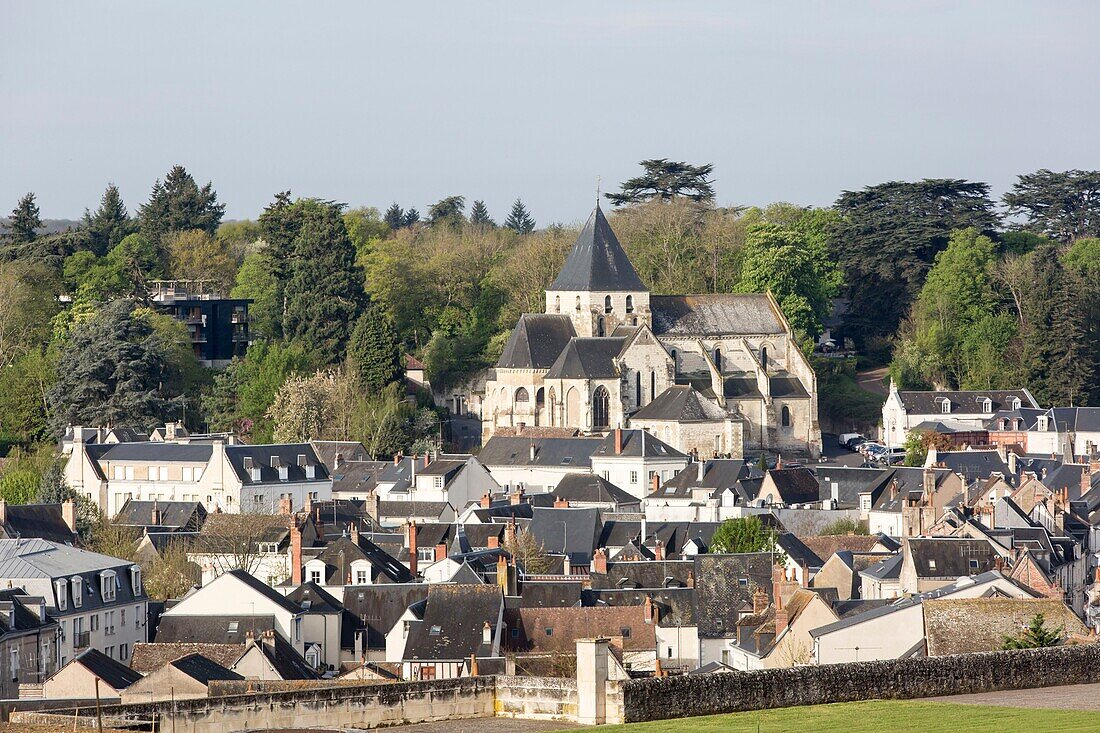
[[528, 552], [238, 541], [171, 573]]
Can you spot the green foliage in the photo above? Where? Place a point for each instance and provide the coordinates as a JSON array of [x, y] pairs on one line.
[[448, 212], [1063, 205], [1035, 636], [412, 217], [365, 228], [256, 280], [178, 205], [24, 222], [666, 179], [479, 215], [24, 384], [846, 525], [119, 368], [109, 224], [840, 398], [394, 217], [746, 534], [375, 351], [888, 235], [195, 255], [519, 219], [22, 474], [243, 393]]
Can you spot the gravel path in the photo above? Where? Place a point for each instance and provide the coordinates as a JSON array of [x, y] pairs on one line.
[[1065, 697]]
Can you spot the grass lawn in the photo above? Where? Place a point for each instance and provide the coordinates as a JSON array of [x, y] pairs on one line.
[[879, 716]]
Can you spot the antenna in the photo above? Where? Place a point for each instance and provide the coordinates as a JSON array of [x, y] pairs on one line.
[[597, 190]]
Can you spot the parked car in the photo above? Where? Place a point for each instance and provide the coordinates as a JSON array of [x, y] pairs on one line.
[[891, 457], [872, 450], [845, 440], [855, 443]]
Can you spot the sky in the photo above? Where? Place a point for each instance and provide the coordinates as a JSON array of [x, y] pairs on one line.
[[370, 103]]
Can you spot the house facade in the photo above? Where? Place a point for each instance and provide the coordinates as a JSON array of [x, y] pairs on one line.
[[905, 410], [605, 348]]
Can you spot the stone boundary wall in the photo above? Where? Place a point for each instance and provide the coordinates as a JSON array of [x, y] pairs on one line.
[[710, 694], [536, 698]]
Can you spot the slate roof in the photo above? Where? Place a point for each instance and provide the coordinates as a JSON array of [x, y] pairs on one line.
[[682, 403], [567, 531], [849, 483], [597, 261], [675, 606], [183, 515], [361, 476], [287, 454], [910, 482], [181, 629], [285, 659], [42, 521], [116, 674], [339, 555], [714, 314], [723, 584], [200, 668], [376, 609], [888, 569], [787, 385], [516, 451], [587, 358], [404, 509], [556, 630], [536, 341], [630, 574], [718, 474], [148, 657], [795, 485], [315, 599], [349, 450], [950, 557], [634, 442], [962, 402], [973, 464], [156, 452], [548, 594], [265, 590], [35, 563], [592, 489], [453, 622], [825, 546]]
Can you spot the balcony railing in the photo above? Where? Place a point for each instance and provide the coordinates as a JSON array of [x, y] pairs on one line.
[[80, 639]]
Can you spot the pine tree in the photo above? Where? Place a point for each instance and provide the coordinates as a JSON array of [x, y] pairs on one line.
[[23, 226], [375, 350], [323, 292], [109, 224], [394, 217], [179, 204], [412, 216], [520, 219], [479, 215], [1035, 636], [448, 211]]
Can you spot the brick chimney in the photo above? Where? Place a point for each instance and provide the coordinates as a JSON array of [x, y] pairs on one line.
[[1086, 480], [658, 671], [599, 561], [510, 533], [486, 634], [441, 551], [659, 550], [560, 503], [68, 513], [474, 672], [355, 532], [759, 602], [486, 500], [295, 553], [782, 617], [691, 578], [410, 542], [618, 441], [397, 459], [648, 610], [493, 543], [779, 577], [517, 496], [370, 506], [655, 481], [307, 506], [154, 515], [286, 506]]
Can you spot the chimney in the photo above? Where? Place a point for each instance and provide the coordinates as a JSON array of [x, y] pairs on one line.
[[410, 541], [1012, 463], [441, 551], [759, 602], [643, 526], [169, 431], [494, 543], [928, 479], [691, 578], [599, 561], [659, 551], [893, 489], [295, 553], [702, 471], [396, 459], [68, 513], [658, 671], [648, 610], [486, 634], [999, 564], [486, 500], [249, 636], [355, 532], [474, 672], [655, 481], [307, 505], [517, 496], [779, 577], [154, 515], [1086, 481], [560, 503], [371, 504], [779, 462], [1096, 576], [267, 638], [286, 505], [506, 576], [3, 511], [618, 441], [533, 451], [510, 533], [782, 618], [426, 459], [338, 460]]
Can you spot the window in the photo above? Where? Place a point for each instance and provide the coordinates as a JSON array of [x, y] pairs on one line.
[[109, 651], [435, 631], [107, 586], [188, 473], [233, 626], [625, 632], [633, 477], [785, 416], [124, 652], [668, 655], [599, 326], [78, 591], [549, 631], [601, 406], [764, 357], [557, 304], [865, 502], [718, 358], [425, 554], [1041, 423], [439, 482], [15, 664], [931, 564], [109, 623], [119, 473], [93, 622], [522, 395], [973, 564], [135, 580], [297, 629], [630, 304], [60, 588], [638, 389], [515, 632], [578, 302], [151, 473], [122, 617], [653, 385], [607, 304], [315, 576], [1014, 403], [129, 473], [945, 406], [164, 473], [743, 582], [362, 577]]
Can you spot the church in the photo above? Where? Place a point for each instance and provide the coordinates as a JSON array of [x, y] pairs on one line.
[[710, 375]]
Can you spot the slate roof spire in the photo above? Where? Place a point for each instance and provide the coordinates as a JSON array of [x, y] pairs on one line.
[[597, 261]]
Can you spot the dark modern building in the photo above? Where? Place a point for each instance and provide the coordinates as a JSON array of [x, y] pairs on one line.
[[218, 326]]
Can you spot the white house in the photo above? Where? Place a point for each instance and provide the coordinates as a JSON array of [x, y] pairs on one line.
[[905, 409]]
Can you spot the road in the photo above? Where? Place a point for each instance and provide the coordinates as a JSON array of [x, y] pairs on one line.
[[872, 381], [1065, 697]]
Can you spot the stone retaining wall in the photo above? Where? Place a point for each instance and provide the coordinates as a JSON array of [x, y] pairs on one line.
[[709, 694], [536, 698]]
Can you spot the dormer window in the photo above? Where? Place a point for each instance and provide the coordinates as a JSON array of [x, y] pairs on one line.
[[135, 580], [311, 471], [945, 405], [987, 404], [78, 591], [107, 585], [557, 304], [1014, 403], [61, 589]]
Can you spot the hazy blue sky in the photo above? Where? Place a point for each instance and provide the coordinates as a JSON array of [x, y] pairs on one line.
[[368, 103]]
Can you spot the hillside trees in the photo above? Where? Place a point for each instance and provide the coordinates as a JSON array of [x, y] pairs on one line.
[[519, 219], [22, 229], [667, 179], [1063, 205], [178, 204], [374, 353], [109, 224]]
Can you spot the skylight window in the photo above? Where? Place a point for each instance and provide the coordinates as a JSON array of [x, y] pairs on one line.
[[435, 630], [233, 626], [567, 460]]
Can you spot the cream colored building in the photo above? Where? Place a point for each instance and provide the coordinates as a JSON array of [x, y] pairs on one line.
[[605, 349]]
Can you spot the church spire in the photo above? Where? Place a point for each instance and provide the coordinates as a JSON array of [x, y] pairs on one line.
[[597, 261]]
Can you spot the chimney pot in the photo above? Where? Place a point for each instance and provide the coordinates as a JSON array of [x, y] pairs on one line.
[[295, 553], [599, 561], [68, 513], [618, 441], [441, 551]]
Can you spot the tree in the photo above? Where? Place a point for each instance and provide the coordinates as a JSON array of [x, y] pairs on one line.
[[28, 300], [171, 573], [233, 541], [667, 179], [1055, 358], [746, 534], [479, 215], [256, 280], [1035, 636], [888, 235], [110, 223], [412, 216], [25, 221], [243, 393], [365, 228], [519, 219], [195, 255], [113, 371], [324, 289], [394, 217], [919, 442], [375, 350], [179, 204], [847, 525], [529, 553], [114, 540], [447, 212], [1065, 205], [303, 409]]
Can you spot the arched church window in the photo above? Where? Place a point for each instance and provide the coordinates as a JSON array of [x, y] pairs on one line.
[[522, 395], [718, 358], [607, 304], [599, 326], [630, 304], [638, 389], [601, 408], [785, 416], [652, 385], [764, 357], [557, 304]]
